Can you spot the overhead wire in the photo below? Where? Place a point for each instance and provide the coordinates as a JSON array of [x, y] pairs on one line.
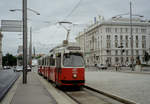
[[75, 7]]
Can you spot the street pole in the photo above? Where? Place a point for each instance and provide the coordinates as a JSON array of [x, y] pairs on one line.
[[132, 58], [24, 12], [34, 51], [121, 46], [30, 49]]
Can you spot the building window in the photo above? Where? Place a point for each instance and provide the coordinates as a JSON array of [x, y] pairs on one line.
[[108, 60], [121, 30], [108, 30], [116, 59], [116, 52], [143, 45], [143, 52], [116, 41], [127, 52], [126, 29], [108, 52], [108, 44], [126, 41], [127, 59], [121, 58], [136, 37], [121, 37], [143, 38], [126, 37], [137, 52], [108, 37], [143, 30], [137, 41], [137, 44], [143, 41], [136, 30], [116, 44], [116, 30], [126, 44], [116, 37]]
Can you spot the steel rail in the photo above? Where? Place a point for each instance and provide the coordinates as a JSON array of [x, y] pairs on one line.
[[115, 97]]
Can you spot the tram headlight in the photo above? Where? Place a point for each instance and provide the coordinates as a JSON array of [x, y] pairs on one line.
[[74, 75]]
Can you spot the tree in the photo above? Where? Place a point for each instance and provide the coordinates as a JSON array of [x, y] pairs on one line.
[[9, 60], [146, 57]]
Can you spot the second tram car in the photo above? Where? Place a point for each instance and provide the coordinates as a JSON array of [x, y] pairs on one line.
[[64, 66]]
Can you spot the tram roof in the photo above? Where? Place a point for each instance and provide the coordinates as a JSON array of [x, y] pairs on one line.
[[70, 46]]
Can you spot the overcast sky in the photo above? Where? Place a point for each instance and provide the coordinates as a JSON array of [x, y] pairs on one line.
[[47, 35]]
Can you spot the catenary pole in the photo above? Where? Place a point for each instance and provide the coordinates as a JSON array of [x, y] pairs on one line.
[[30, 49], [132, 58], [24, 10]]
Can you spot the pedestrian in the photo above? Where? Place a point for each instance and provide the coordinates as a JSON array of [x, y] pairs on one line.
[[116, 67]]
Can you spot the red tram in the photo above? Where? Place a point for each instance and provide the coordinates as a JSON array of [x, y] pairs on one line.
[[64, 66]]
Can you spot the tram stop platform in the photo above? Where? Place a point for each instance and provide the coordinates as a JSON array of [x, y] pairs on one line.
[[36, 91], [31, 93]]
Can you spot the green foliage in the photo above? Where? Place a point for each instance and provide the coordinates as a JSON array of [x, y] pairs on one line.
[[9, 60], [20, 58], [37, 57]]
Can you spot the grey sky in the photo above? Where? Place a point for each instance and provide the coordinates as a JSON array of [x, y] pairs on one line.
[[56, 10]]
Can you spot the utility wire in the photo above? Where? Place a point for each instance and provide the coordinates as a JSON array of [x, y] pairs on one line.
[[76, 6]]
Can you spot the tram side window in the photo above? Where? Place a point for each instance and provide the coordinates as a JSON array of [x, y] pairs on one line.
[[52, 61], [58, 60], [42, 62]]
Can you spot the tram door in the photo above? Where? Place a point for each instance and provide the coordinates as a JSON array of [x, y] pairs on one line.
[[58, 66]]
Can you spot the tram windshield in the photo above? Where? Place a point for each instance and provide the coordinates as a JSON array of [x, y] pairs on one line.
[[73, 60]]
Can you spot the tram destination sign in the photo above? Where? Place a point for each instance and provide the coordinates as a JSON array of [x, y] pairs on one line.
[[11, 26], [73, 48]]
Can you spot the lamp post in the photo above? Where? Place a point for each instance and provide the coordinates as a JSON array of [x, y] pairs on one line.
[[30, 49], [131, 31], [132, 51], [24, 18]]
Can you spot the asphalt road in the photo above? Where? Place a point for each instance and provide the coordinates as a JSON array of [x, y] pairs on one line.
[[7, 78], [131, 86]]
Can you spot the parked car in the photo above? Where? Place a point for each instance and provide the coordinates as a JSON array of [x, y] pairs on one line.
[[28, 68], [18, 69], [6, 67], [101, 66]]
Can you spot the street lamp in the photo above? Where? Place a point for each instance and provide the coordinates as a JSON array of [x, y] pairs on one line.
[[24, 18], [37, 13], [131, 30]]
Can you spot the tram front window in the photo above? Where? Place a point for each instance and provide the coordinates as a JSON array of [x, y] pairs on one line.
[[73, 60]]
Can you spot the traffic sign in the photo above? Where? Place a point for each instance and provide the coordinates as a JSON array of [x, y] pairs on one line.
[[11, 26]]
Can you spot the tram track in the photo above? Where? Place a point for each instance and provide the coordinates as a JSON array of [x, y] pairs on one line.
[[90, 95]]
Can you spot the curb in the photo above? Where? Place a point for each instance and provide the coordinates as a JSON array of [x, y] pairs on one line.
[[118, 98]]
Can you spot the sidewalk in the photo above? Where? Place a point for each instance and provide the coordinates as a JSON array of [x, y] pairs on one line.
[[32, 93]]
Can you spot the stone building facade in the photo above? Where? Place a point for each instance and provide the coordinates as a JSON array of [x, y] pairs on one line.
[[109, 42]]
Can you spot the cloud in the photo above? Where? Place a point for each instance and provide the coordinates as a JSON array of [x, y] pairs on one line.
[[57, 10]]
